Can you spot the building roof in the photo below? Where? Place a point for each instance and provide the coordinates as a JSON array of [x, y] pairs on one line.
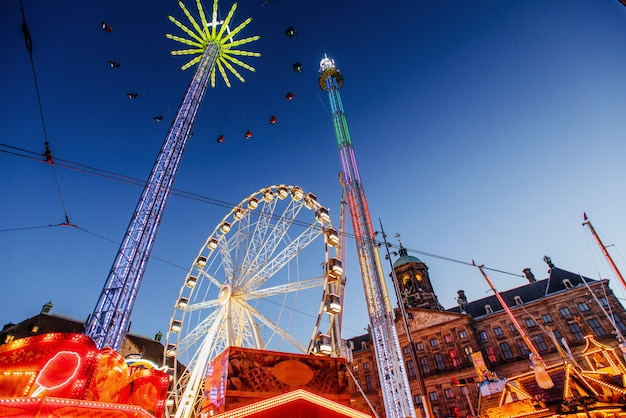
[[405, 258], [41, 324], [359, 340], [530, 292]]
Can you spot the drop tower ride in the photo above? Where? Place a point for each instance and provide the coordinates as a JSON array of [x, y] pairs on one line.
[[393, 379], [212, 47]]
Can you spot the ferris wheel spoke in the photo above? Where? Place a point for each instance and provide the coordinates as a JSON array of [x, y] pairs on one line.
[[198, 331], [282, 258], [276, 328], [196, 376], [201, 305], [210, 277], [257, 238], [285, 288], [225, 251], [274, 238]]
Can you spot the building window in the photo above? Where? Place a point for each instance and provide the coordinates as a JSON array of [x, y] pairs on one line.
[[518, 300], [603, 301], [448, 393], [468, 353], [540, 342], [355, 368], [434, 342], [406, 349], [482, 335], [618, 323], [448, 338], [567, 284], [425, 365], [410, 368], [565, 313], [454, 358], [488, 309], [410, 315], [506, 351], [439, 361], [498, 331], [512, 328], [576, 332], [521, 345], [433, 396], [417, 399], [583, 307], [491, 354], [557, 334], [363, 345], [530, 323], [366, 366], [9, 338], [419, 346], [546, 318], [368, 382], [35, 328], [462, 334], [596, 327]]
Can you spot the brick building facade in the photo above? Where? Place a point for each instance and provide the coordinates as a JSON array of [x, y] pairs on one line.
[[564, 305]]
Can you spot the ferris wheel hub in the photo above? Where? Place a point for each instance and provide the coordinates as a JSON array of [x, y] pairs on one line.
[[224, 294]]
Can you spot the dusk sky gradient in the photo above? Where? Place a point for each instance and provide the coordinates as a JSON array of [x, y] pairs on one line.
[[483, 130]]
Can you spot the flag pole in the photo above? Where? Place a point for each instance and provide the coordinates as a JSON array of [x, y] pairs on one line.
[[537, 364]]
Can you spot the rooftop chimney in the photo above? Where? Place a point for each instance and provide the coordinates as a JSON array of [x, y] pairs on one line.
[[529, 275]]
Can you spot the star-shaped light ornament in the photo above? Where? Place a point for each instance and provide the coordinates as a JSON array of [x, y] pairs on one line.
[[206, 33]]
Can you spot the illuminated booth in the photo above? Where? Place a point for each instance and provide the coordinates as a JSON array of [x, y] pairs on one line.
[[64, 374], [246, 382]]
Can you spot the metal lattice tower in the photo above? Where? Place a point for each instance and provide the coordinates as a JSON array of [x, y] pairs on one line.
[[392, 374], [111, 317]]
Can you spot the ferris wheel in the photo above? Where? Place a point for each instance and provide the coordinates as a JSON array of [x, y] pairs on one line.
[[267, 277]]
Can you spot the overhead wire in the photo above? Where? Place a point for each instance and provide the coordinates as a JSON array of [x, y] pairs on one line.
[[85, 169], [47, 154]]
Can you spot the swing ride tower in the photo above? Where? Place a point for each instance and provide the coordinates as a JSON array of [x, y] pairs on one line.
[[393, 379], [214, 48]]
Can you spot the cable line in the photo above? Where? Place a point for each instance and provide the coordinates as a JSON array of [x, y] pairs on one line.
[[85, 169], [47, 154]]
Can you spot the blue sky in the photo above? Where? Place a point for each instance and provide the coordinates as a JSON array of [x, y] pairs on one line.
[[483, 130]]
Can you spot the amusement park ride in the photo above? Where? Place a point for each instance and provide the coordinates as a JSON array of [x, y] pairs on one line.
[[248, 259], [393, 379], [111, 317]]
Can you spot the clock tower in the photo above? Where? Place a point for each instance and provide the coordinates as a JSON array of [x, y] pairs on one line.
[[414, 283]]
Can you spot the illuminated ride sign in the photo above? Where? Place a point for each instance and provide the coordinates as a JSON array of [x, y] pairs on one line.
[[64, 374]]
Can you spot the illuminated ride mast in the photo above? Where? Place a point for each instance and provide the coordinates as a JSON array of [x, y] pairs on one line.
[[111, 317], [394, 383]]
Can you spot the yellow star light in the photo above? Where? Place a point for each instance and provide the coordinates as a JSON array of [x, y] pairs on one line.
[[206, 33]]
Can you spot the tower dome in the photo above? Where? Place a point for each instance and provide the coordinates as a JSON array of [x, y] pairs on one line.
[[405, 258]]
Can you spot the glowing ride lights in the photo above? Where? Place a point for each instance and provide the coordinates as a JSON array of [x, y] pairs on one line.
[[58, 371], [393, 379], [213, 49]]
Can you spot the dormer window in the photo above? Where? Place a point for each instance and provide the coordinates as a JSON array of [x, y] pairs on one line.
[[363, 345], [518, 301], [567, 284], [488, 309]]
